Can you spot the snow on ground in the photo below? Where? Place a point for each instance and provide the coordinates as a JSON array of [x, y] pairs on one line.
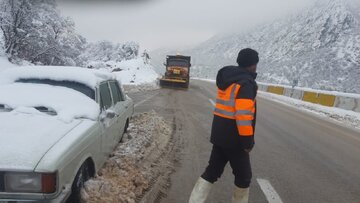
[[204, 79], [133, 166], [141, 88], [135, 72], [135, 75], [349, 118], [5, 64]]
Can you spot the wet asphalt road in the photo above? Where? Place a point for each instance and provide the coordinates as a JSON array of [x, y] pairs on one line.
[[304, 157]]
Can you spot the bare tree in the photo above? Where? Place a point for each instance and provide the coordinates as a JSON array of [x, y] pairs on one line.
[[34, 30]]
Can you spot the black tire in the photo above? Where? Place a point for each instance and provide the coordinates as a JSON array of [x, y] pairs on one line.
[[126, 126], [81, 177], [125, 130]]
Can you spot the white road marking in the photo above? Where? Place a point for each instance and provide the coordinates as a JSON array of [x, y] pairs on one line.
[[270, 193], [212, 102], [145, 100]]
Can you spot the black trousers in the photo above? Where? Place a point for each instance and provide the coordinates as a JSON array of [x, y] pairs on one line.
[[239, 162]]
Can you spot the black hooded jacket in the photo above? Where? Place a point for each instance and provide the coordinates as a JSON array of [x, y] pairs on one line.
[[224, 131]]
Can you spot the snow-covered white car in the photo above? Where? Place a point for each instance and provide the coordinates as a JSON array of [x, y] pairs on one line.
[[58, 126]]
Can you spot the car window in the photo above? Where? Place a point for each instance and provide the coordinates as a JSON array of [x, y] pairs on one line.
[[123, 98], [115, 90], [105, 96], [69, 84]]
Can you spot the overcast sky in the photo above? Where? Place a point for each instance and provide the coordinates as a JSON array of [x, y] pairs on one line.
[[172, 23]]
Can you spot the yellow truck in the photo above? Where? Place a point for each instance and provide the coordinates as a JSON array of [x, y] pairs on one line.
[[177, 74]]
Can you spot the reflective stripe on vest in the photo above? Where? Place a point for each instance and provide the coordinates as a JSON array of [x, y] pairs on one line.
[[225, 102], [241, 110]]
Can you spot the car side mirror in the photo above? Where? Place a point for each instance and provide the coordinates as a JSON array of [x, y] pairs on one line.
[[108, 114]]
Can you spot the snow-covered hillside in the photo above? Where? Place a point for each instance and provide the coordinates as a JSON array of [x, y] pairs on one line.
[[129, 72], [135, 72], [319, 47]]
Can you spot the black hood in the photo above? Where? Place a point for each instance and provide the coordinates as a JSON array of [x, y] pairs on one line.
[[233, 74]]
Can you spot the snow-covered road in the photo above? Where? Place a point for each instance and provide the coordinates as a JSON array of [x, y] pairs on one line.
[[299, 155]]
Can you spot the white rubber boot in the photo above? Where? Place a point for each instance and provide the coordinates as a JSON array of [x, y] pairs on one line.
[[201, 191], [240, 195]]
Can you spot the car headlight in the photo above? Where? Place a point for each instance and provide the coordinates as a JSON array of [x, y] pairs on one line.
[[30, 182]]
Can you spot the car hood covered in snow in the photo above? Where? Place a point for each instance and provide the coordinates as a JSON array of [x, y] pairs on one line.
[[25, 138]]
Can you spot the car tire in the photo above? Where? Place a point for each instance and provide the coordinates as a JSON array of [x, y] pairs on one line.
[[126, 126], [125, 130], [81, 177]]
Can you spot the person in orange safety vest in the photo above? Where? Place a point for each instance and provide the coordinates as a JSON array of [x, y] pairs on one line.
[[233, 128]]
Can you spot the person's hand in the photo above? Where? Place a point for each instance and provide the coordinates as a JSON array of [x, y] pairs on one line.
[[247, 150]]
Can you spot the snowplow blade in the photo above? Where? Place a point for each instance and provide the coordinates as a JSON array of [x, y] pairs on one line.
[[173, 83]]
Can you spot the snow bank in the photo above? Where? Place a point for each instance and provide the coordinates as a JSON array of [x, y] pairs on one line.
[[135, 72], [58, 73], [67, 103], [335, 93], [141, 88], [349, 118], [134, 75], [205, 79], [128, 174]]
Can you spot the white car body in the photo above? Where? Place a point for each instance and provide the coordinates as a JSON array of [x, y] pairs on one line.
[[57, 146]]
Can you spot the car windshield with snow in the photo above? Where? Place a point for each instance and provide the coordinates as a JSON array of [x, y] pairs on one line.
[[57, 127]]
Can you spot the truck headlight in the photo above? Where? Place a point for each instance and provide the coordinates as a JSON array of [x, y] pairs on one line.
[[30, 182]]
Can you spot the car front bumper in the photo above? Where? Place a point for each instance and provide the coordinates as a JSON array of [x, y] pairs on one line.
[[60, 198]]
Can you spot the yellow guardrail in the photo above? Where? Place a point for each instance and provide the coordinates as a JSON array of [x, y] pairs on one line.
[[311, 97], [276, 90], [342, 102], [327, 100]]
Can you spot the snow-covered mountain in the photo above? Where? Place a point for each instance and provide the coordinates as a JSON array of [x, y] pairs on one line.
[[320, 47]]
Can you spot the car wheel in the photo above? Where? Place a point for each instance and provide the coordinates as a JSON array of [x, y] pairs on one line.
[[126, 126], [125, 130], [81, 177]]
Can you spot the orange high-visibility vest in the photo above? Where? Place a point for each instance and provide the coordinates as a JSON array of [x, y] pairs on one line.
[[241, 110]]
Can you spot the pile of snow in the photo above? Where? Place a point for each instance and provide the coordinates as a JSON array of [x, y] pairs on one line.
[[85, 76], [135, 72], [141, 88], [128, 174], [129, 72], [68, 104]]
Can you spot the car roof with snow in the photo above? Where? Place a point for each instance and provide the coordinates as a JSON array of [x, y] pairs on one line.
[[89, 77]]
